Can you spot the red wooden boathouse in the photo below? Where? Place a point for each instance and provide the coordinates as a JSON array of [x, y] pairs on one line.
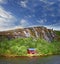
[[31, 51]]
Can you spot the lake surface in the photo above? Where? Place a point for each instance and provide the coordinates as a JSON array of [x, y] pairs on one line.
[[31, 60]]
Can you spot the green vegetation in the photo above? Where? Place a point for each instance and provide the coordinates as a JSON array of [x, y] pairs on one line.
[[19, 46], [57, 32]]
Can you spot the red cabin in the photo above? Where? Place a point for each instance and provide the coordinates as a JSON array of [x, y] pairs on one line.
[[31, 51]]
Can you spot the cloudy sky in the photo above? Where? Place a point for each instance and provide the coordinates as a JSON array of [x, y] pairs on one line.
[[25, 13]]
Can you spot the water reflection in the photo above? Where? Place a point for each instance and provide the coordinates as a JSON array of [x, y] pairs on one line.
[[31, 60]]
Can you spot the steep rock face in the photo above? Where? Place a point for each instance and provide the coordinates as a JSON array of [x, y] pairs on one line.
[[35, 32]]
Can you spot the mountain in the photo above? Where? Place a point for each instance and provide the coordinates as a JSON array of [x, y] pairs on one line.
[[35, 32]]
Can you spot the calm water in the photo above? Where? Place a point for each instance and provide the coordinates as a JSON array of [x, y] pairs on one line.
[[31, 60]]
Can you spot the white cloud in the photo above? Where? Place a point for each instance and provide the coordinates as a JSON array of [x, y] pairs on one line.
[[28, 16], [5, 14], [48, 2], [2, 1], [55, 26], [12, 28], [24, 23], [58, 0], [23, 3], [42, 21], [6, 19]]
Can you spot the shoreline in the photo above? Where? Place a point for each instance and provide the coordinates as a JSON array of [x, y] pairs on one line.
[[13, 56]]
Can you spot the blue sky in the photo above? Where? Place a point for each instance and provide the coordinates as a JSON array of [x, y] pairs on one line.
[[25, 13]]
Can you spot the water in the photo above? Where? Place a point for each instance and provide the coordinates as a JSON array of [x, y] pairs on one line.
[[31, 60]]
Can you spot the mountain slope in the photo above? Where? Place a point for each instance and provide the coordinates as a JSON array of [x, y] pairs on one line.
[[35, 32]]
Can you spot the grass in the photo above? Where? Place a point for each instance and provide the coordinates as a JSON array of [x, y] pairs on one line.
[[19, 46]]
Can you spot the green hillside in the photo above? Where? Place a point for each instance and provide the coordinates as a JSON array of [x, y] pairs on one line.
[[19, 46], [57, 32]]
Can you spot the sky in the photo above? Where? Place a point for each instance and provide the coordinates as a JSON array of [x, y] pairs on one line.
[[26, 13]]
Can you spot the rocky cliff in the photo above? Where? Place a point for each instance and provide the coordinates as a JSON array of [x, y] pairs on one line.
[[35, 32]]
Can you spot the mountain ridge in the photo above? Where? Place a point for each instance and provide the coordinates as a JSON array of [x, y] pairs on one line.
[[35, 32]]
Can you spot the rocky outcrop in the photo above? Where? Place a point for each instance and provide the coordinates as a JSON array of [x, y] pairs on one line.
[[35, 32]]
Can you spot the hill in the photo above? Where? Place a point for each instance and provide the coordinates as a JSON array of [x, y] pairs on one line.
[[57, 32], [35, 32], [16, 42]]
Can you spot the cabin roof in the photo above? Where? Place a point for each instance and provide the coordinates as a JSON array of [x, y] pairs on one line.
[[31, 48]]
